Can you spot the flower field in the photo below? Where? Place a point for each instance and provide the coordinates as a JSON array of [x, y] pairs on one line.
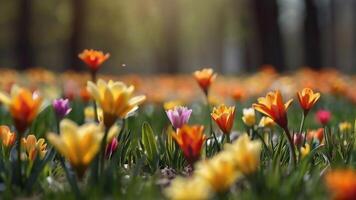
[[196, 136]]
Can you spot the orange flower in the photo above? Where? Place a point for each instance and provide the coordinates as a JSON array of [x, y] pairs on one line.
[[7, 138], [317, 134], [33, 147], [224, 117], [204, 78], [342, 184], [93, 58], [238, 94], [272, 105], [307, 98], [190, 139], [24, 106]]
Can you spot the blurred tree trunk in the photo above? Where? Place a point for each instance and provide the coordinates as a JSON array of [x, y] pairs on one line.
[[23, 47], [78, 15], [268, 32], [312, 37], [168, 53]]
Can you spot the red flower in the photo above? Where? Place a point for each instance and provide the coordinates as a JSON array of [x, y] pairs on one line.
[[93, 58]]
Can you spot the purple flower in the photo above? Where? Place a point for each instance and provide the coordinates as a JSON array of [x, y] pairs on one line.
[[61, 107], [179, 116]]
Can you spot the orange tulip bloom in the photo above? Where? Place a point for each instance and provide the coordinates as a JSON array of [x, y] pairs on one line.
[[7, 138], [317, 134], [24, 106], [204, 78], [93, 58], [190, 139], [307, 98], [272, 105], [342, 184], [224, 117]]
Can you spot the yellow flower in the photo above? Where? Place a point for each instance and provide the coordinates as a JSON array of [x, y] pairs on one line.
[[224, 117], [304, 151], [266, 122], [7, 138], [188, 188], [220, 171], [79, 144], [246, 153], [345, 127], [89, 114], [172, 104], [24, 106], [115, 98], [33, 147], [249, 117]]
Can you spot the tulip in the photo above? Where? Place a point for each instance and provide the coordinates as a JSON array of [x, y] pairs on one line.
[[78, 144], [24, 106], [61, 107], [316, 134], [115, 98], [341, 183], [224, 117], [7, 137], [179, 116], [93, 59], [298, 139], [307, 98], [34, 147], [190, 139], [323, 117], [272, 105], [249, 117], [204, 78]]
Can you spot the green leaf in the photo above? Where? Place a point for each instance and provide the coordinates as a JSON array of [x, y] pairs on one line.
[[149, 144]]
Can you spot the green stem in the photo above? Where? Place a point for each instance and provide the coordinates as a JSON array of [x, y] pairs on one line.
[[301, 128], [93, 79], [291, 148], [71, 179], [19, 167], [102, 150]]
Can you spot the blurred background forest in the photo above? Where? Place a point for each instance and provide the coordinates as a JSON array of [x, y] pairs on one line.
[[179, 36]]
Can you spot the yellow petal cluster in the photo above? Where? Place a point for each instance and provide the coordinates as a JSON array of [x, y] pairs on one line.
[[266, 122], [220, 172], [7, 137], [78, 144], [249, 117], [34, 147], [345, 127], [115, 98]]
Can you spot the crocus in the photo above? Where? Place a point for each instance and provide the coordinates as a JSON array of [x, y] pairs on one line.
[[304, 151], [24, 106], [246, 153], [204, 78], [94, 59], [34, 147], [61, 107], [224, 117], [307, 98], [7, 137], [316, 134], [179, 116], [190, 139], [273, 106], [341, 183], [266, 122], [115, 98], [323, 117], [249, 117], [78, 144]]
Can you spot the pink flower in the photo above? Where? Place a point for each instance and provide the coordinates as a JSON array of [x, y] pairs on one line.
[[323, 117], [298, 139], [111, 147], [179, 116]]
